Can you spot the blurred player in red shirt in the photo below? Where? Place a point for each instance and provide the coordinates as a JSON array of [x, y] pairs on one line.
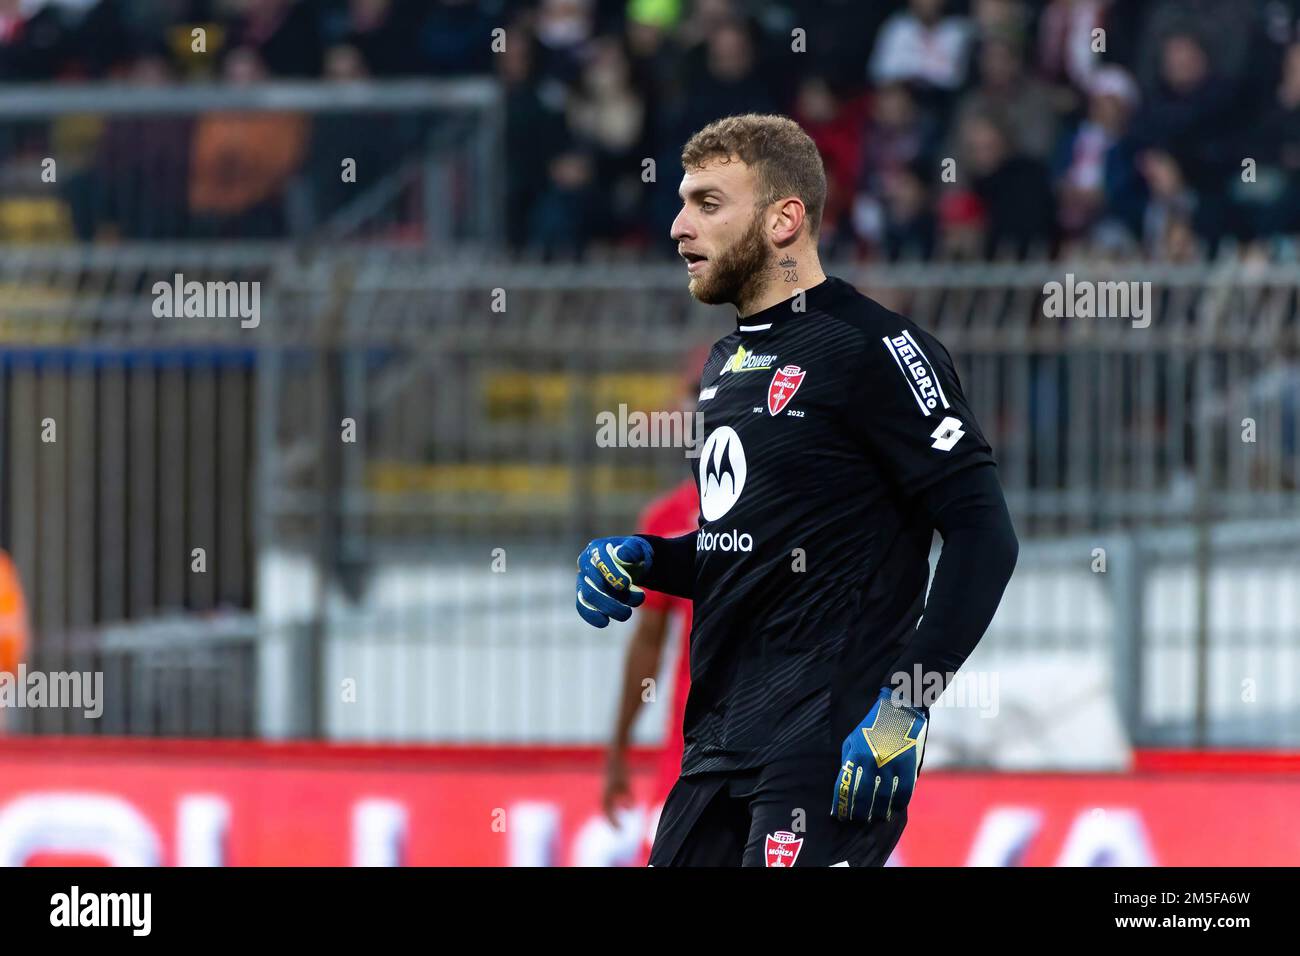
[[13, 625], [676, 512]]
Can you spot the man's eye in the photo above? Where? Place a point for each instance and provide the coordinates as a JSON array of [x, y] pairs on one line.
[[708, 206]]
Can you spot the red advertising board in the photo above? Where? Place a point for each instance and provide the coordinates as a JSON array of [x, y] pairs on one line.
[[241, 804]]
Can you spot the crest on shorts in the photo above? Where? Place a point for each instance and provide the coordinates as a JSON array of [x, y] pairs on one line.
[[785, 383], [782, 848]]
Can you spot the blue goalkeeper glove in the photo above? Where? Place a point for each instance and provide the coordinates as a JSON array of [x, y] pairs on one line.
[[606, 569], [880, 761]]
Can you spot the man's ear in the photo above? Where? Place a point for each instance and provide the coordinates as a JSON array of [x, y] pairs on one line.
[[791, 216]]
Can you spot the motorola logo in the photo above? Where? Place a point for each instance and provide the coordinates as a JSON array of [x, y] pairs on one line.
[[722, 472]]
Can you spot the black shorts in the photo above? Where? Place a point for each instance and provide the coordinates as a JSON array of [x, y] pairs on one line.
[[777, 815]]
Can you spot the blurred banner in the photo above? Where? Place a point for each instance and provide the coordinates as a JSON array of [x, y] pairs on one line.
[[117, 802]]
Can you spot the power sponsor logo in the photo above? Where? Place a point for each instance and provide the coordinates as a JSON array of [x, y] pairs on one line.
[[745, 361]]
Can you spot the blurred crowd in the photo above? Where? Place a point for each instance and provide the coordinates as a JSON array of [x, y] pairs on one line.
[[951, 129]]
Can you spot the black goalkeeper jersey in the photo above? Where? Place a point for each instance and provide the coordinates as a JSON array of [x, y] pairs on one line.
[[812, 558]]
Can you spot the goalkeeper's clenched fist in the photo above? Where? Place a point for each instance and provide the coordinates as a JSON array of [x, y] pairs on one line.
[[607, 569]]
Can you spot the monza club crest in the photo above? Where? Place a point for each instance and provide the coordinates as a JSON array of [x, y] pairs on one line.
[[782, 848], [785, 383]]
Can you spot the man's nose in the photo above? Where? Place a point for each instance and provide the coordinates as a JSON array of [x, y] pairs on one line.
[[682, 227]]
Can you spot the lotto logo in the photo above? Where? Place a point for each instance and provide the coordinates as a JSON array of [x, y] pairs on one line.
[[947, 434]]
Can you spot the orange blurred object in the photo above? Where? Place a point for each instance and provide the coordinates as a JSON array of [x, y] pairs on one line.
[[13, 617], [243, 159]]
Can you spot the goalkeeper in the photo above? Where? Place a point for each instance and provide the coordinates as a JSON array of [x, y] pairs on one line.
[[838, 440]]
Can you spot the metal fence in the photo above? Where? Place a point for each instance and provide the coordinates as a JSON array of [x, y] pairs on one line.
[[392, 472], [307, 161]]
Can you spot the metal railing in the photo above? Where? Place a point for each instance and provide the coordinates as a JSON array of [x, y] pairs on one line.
[[418, 464], [265, 161]]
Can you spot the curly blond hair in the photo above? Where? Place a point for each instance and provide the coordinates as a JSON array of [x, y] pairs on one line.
[[784, 158]]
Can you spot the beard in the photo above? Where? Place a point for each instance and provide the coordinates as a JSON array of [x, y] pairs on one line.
[[737, 272]]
